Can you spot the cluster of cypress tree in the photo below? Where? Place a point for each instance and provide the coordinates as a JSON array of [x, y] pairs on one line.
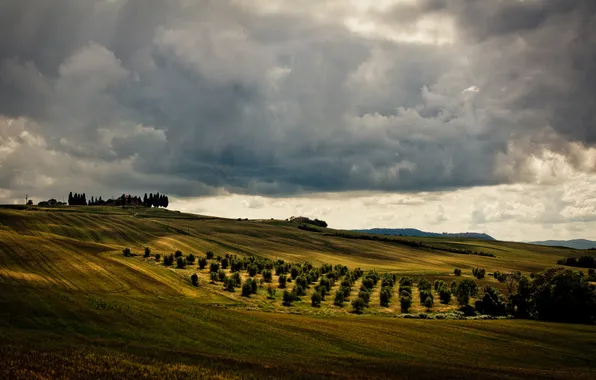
[[155, 200], [77, 199]]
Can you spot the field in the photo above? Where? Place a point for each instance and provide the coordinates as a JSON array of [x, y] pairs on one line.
[[72, 306]]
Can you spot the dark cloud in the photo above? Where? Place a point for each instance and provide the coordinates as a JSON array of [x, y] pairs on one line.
[[197, 97]]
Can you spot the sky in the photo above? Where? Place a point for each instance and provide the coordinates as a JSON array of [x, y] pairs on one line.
[[443, 115]]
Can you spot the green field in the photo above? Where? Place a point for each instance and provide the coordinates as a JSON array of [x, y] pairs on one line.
[[72, 306]]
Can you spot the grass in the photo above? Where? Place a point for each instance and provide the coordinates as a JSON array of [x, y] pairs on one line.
[[71, 306]]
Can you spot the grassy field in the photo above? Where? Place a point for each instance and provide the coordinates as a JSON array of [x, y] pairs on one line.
[[71, 306]]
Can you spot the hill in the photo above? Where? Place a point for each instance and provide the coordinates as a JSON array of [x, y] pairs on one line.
[[412, 232], [575, 243], [72, 306]]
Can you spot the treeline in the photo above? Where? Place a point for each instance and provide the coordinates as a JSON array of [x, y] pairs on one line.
[[582, 262], [149, 200]]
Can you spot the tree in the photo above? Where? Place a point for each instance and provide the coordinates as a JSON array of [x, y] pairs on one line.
[[168, 260], [385, 296], [271, 292], [178, 254], [252, 270], [209, 255], [213, 277], [147, 252], [190, 258], [466, 289], [491, 302], [230, 284], [283, 279], [157, 257], [202, 262], [428, 303], [221, 275], [339, 298], [225, 262], [316, 299], [561, 294], [267, 275], [180, 263], [358, 305], [214, 267], [444, 295], [126, 252], [405, 303], [479, 273], [194, 278], [70, 199], [457, 272], [288, 298], [246, 288]]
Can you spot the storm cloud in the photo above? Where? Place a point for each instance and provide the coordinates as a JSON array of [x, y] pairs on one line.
[[276, 98]]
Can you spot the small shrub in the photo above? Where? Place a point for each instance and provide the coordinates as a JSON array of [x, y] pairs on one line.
[[147, 252], [180, 263], [213, 277], [358, 305], [225, 262], [283, 279], [315, 300], [178, 254], [126, 252], [209, 255], [202, 262], [190, 259], [157, 257], [194, 279], [457, 272], [339, 298], [214, 267], [221, 275], [254, 286], [406, 281]]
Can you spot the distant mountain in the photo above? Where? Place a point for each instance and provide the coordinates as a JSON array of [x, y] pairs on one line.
[[418, 233], [575, 243]]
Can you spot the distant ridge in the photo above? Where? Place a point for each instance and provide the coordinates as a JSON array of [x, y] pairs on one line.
[[417, 233], [575, 243]]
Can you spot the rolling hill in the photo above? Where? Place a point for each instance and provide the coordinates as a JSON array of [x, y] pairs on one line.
[[72, 306], [575, 243]]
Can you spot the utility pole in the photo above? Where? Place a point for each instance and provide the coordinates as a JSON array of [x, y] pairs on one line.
[[26, 198]]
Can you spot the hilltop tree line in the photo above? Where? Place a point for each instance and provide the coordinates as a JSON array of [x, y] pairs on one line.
[[557, 294], [148, 200]]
